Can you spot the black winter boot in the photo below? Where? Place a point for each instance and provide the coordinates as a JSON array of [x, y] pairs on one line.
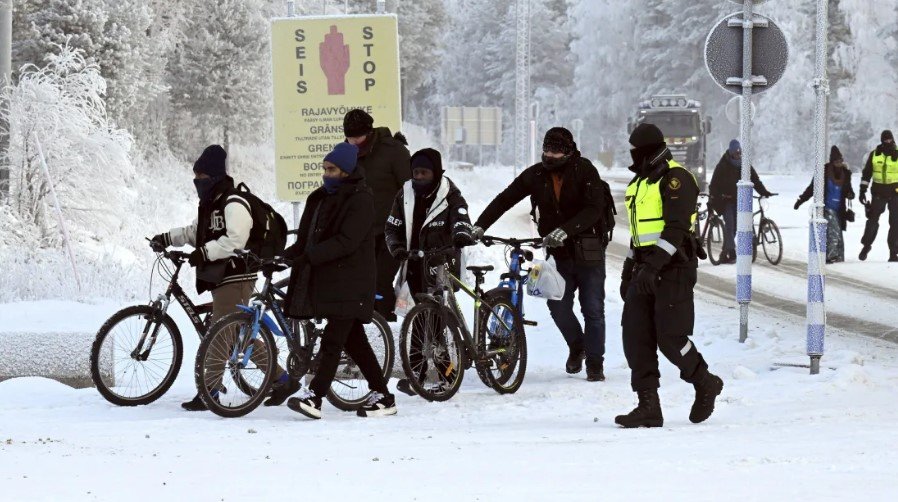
[[893, 257], [646, 414], [864, 252], [575, 359], [706, 390], [594, 370], [195, 404], [281, 390]]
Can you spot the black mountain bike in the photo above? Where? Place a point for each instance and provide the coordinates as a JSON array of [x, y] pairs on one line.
[[436, 346], [137, 353], [239, 359], [712, 234]]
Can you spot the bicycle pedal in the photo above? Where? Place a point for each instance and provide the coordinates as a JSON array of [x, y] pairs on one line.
[[530, 323]]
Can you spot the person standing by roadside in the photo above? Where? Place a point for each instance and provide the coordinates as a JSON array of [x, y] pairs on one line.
[[882, 170], [836, 192]]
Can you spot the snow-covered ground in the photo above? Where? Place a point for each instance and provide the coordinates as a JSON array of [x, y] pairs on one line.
[[778, 433]]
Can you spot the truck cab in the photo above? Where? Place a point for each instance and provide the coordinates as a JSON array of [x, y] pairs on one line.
[[685, 130]]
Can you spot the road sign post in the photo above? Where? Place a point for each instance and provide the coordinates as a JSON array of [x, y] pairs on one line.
[[745, 54]]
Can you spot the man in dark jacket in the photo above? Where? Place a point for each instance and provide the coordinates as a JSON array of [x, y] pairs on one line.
[[383, 161], [569, 203], [882, 169], [428, 213], [723, 195], [332, 277], [223, 224], [658, 281], [836, 191]]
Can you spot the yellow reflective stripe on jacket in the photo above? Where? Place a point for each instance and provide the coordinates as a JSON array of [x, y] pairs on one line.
[[885, 169], [645, 209]]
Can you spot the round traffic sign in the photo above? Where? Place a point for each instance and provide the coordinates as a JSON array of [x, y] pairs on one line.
[[723, 53]]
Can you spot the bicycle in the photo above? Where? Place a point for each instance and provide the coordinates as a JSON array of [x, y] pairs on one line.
[[137, 353], [437, 346], [713, 233], [767, 234], [228, 358]]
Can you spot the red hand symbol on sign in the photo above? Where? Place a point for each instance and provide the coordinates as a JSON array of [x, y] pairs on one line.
[[334, 61]]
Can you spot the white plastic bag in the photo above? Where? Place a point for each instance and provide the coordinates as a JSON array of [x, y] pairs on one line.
[[544, 281], [404, 300]]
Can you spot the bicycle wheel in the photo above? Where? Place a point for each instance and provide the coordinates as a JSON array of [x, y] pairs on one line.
[[714, 239], [349, 390], [771, 241], [432, 353], [502, 350], [221, 366], [127, 379]]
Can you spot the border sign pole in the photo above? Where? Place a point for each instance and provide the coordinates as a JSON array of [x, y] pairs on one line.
[[744, 227]]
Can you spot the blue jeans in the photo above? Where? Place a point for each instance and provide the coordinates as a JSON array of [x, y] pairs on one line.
[[729, 227], [590, 281]]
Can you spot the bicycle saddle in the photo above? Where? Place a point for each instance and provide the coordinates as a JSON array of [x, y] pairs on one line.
[[481, 270]]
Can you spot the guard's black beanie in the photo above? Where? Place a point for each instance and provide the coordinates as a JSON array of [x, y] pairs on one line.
[[559, 140], [646, 135], [835, 154], [428, 158], [357, 123], [886, 135], [212, 162]]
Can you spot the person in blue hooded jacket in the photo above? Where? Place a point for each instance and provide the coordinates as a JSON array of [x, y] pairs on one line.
[[836, 192]]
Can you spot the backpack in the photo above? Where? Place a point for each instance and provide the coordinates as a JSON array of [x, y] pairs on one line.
[[268, 237]]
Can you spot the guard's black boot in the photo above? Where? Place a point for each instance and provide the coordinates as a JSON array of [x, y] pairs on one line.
[[731, 256], [724, 257], [864, 252], [195, 404], [575, 359], [893, 257], [281, 390], [594, 370], [706, 390], [646, 414]]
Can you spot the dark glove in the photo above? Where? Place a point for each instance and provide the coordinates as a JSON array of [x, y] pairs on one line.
[[196, 258], [863, 196], [159, 242], [647, 280], [477, 233], [463, 240], [415, 254], [625, 277], [555, 238], [401, 254], [797, 204]]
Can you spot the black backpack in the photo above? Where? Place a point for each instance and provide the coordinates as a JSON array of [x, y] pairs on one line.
[[268, 237]]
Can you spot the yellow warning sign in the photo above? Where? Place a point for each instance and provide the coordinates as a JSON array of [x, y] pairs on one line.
[[322, 67]]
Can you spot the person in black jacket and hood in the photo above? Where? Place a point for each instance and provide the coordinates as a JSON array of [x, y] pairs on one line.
[[223, 224], [333, 278], [428, 213], [383, 160], [836, 191], [723, 190], [569, 202]]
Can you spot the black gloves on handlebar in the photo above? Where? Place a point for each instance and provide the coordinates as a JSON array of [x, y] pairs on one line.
[[159, 242], [196, 258], [463, 240]]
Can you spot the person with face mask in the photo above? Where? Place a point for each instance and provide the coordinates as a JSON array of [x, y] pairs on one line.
[[428, 213], [332, 277], [223, 224], [882, 170], [836, 192], [383, 158], [658, 280], [568, 205], [723, 190]]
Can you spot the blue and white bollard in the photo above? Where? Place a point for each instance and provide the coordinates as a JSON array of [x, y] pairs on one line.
[[744, 251], [816, 282]]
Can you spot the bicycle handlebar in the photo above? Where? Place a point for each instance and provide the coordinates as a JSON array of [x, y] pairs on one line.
[[489, 240]]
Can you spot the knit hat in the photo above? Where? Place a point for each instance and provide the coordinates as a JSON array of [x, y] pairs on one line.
[[835, 154], [345, 156], [428, 158], [212, 162], [357, 123], [646, 135], [559, 140], [735, 146], [886, 135]]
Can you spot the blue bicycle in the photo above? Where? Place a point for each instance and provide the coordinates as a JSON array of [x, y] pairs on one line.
[[244, 352]]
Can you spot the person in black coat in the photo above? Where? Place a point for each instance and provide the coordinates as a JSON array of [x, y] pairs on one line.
[[723, 191], [836, 192], [569, 202], [428, 213], [333, 277]]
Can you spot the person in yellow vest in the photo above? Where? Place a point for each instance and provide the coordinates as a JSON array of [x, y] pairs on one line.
[[658, 280], [882, 170]]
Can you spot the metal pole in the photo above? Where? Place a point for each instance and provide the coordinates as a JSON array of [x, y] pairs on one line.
[[522, 82], [816, 310], [745, 233], [381, 6], [65, 232], [291, 8], [5, 75], [291, 12]]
